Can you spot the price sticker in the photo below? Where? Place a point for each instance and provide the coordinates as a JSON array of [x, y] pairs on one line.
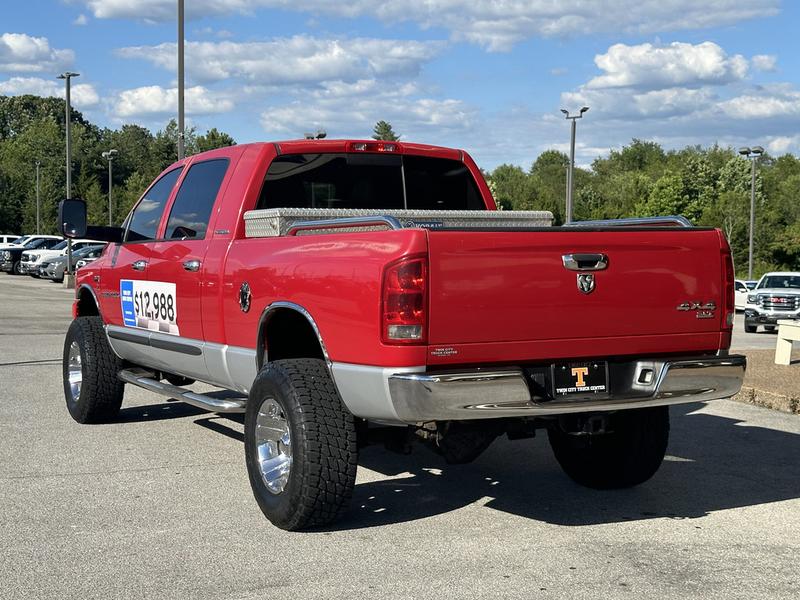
[[149, 305]]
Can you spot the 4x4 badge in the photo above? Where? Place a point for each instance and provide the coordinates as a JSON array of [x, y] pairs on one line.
[[586, 282]]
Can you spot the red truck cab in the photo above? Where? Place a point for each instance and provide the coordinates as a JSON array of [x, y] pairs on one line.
[[343, 285]]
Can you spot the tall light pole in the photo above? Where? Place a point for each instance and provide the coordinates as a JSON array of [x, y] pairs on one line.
[[109, 156], [753, 154], [67, 76], [181, 141], [38, 211], [571, 172]]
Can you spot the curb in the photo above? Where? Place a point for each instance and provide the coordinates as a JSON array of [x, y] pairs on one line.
[[751, 395]]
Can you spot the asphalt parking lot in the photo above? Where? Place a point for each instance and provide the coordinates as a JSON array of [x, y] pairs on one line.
[[158, 504]]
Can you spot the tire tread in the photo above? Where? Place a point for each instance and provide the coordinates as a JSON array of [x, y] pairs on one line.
[[101, 389]]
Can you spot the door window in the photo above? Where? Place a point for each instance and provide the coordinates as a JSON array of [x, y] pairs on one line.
[[144, 220], [191, 210]]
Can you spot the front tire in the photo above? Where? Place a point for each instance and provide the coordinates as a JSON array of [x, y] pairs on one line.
[[300, 445], [16, 269], [750, 328], [628, 455], [91, 387]]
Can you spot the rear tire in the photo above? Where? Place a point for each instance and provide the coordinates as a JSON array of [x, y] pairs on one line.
[[629, 455], [750, 328], [300, 445], [91, 387]]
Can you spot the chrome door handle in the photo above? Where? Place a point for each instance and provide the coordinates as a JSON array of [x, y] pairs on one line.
[[191, 265], [139, 265], [585, 262]]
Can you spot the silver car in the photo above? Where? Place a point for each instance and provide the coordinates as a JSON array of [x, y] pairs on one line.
[[54, 268]]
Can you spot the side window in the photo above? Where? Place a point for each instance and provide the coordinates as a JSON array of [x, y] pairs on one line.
[[191, 210], [144, 220]]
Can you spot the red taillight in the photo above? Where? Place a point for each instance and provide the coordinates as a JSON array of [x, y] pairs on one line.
[[728, 276], [404, 302]]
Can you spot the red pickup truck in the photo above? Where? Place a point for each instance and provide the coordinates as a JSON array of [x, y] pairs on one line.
[[341, 289]]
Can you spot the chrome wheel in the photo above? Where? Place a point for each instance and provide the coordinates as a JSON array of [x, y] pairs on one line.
[[75, 371], [274, 445]]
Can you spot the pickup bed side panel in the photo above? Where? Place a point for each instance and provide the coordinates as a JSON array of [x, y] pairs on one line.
[[335, 277]]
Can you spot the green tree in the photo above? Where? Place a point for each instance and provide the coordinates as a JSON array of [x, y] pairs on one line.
[[214, 139], [513, 188], [383, 131]]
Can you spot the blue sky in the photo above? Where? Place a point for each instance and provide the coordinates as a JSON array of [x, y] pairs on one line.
[[485, 75]]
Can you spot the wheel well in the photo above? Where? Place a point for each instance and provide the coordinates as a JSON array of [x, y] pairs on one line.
[[286, 333], [87, 306]]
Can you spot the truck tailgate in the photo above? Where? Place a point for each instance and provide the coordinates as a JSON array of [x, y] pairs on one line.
[[511, 287]]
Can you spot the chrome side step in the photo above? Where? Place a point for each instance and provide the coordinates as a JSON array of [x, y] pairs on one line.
[[144, 379]]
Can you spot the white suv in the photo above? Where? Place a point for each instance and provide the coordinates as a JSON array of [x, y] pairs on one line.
[[777, 296], [31, 259]]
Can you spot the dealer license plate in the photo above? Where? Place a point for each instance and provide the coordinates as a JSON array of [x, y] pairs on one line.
[[149, 305], [580, 379]]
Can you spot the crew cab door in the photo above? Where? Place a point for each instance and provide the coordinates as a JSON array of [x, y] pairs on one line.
[[177, 259], [129, 261]]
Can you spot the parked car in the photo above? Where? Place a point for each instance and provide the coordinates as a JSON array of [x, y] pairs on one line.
[[336, 283], [18, 242], [740, 293], [751, 283], [7, 238], [777, 296], [54, 268], [11, 256], [31, 259]]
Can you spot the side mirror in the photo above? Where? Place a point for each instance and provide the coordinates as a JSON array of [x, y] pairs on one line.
[[72, 218]]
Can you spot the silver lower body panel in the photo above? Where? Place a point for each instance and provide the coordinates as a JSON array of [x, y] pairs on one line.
[[229, 367]]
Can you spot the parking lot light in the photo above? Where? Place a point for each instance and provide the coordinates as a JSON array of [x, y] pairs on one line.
[[570, 172], [753, 154], [109, 156]]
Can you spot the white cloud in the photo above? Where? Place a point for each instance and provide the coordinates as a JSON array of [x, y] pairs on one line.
[[496, 25], [81, 20], [22, 53], [156, 100], [82, 95], [764, 62], [782, 144], [675, 64], [299, 59], [351, 110], [765, 103], [682, 94]]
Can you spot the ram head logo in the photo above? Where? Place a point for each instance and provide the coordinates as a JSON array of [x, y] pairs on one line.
[[586, 282]]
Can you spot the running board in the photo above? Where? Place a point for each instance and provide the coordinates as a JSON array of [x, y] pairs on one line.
[[144, 379]]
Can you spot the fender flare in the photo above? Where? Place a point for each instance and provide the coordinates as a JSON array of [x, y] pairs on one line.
[[267, 314]]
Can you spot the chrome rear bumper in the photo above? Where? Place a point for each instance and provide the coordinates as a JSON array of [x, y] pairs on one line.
[[486, 394]]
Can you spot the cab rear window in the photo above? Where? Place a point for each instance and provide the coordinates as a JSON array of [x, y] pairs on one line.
[[369, 181]]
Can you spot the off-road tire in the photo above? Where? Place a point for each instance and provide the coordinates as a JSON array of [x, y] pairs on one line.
[[323, 442], [101, 391], [628, 455], [750, 328]]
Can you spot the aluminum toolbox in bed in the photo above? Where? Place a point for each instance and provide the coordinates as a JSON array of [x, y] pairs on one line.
[[275, 222]]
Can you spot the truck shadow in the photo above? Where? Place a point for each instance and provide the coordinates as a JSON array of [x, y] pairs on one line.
[[712, 464]]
